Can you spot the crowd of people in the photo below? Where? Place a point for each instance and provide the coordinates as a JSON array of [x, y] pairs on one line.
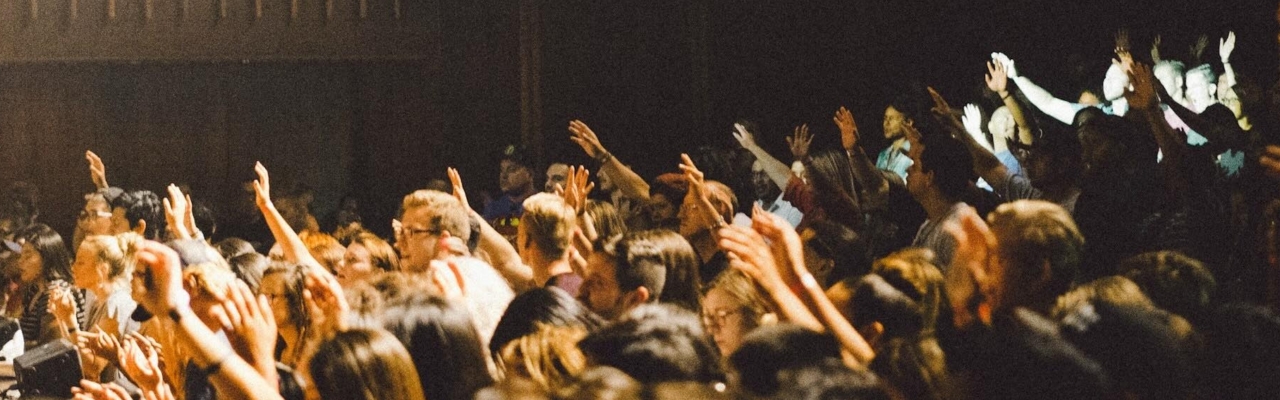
[[1119, 244]]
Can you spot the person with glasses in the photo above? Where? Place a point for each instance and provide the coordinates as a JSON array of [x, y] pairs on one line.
[[732, 308]]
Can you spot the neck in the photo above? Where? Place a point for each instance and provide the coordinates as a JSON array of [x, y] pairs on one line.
[[899, 141], [935, 205], [705, 245], [544, 269]]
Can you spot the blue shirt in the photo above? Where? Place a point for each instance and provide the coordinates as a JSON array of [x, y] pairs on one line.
[[895, 161]]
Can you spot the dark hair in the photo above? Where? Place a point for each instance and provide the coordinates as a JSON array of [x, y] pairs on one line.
[[1242, 354], [602, 383], [831, 176], [294, 282], [548, 306], [142, 205], [364, 364], [608, 222], [770, 349], [1135, 345], [205, 216], [19, 203], [249, 268], [1026, 357], [1173, 281], [443, 344], [837, 242], [655, 343], [53, 251], [231, 247], [830, 379], [673, 186], [950, 163]]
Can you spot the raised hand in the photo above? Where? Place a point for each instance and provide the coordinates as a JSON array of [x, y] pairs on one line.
[[972, 120], [326, 301], [975, 252], [1143, 95], [262, 186], [848, 128], [139, 358], [698, 187], [1197, 48], [799, 142], [1122, 41], [1009, 68], [158, 279], [177, 207], [745, 138], [585, 138], [97, 170], [998, 77], [90, 390], [748, 252], [1155, 49], [577, 186], [1226, 46], [458, 192], [251, 328], [784, 243]]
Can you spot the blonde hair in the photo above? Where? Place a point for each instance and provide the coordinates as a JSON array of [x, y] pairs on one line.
[[1113, 289], [208, 279], [743, 290], [324, 248], [381, 255], [914, 269], [447, 214], [548, 356], [117, 251], [549, 222]]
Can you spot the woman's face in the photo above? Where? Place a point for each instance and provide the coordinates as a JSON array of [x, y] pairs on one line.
[[87, 271], [95, 218], [356, 266], [272, 286], [30, 264], [724, 319]]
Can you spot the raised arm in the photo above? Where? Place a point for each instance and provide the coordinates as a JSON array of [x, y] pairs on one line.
[[631, 184], [778, 172], [1059, 109], [294, 250], [1225, 47], [985, 164], [1145, 103], [998, 81], [869, 177], [97, 170], [501, 254]]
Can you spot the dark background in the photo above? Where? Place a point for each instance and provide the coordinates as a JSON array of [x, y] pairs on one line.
[[379, 104]]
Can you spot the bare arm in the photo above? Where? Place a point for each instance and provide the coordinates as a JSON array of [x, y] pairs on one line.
[[1145, 105], [998, 81], [294, 250], [502, 255], [627, 181], [778, 172], [868, 176]]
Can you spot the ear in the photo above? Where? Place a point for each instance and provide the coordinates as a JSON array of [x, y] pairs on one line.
[[635, 298], [140, 228]]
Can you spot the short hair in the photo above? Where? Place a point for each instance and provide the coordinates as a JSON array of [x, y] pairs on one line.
[[770, 349], [443, 344], [143, 205], [381, 255], [653, 259], [602, 383], [540, 306], [364, 364], [950, 163], [1135, 345], [655, 343], [53, 251], [249, 267], [1177, 66], [447, 214], [550, 355], [1173, 281], [549, 222], [117, 251], [207, 279], [1033, 233], [231, 247], [1206, 71], [1114, 289]]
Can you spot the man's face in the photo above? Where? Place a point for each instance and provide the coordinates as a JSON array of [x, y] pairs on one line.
[[421, 239], [764, 187], [600, 291], [95, 218], [556, 175], [661, 209], [893, 122], [1200, 91], [514, 177]]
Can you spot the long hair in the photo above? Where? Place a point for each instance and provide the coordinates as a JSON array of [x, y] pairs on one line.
[[443, 344], [294, 276], [364, 364], [53, 251], [906, 355], [831, 176]]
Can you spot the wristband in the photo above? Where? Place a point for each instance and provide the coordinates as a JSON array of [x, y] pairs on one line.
[[1006, 96], [603, 157]]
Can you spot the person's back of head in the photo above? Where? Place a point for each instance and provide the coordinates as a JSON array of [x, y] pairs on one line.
[[548, 356], [842, 246], [443, 344], [364, 364], [231, 247], [548, 223], [771, 349], [605, 218], [324, 248], [1040, 253], [1115, 290], [602, 383], [949, 162], [906, 356], [1134, 344], [249, 268], [143, 210], [662, 261], [1242, 354], [540, 306], [830, 379], [1173, 281], [1025, 357], [913, 272], [655, 343]]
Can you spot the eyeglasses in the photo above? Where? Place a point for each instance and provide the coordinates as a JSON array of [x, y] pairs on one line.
[[408, 232], [717, 317], [86, 214]]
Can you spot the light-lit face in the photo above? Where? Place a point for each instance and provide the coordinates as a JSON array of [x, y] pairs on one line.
[[87, 271], [556, 175], [273, 287], [1115, 83], [1200, 91], [893, 122], [765, 188], [1229, 98], [600, 291], [1001, 124], [95, 218], [356, 265], [513, 177], [723, 317], [30, 264], [421, 239]]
